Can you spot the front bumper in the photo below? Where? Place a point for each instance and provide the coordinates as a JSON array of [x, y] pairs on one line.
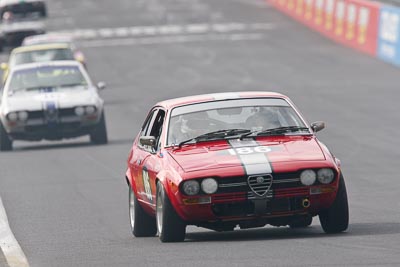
[[35, 129], [283, 203]]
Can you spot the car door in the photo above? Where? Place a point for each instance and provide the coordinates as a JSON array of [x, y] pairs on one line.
[[139, 154], [151, 163]]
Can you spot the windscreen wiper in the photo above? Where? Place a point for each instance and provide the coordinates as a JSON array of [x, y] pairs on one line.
[[273, 131], [216, 135], [72, 85]]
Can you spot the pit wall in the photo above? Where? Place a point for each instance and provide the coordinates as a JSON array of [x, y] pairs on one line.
[[367, 26]]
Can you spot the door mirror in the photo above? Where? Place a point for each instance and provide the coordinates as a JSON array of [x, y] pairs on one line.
[[101, 85], [147, 141], [318, 126]]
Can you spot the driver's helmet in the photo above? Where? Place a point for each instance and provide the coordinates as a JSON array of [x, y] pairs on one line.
[[7, 16], [263, 118], [195, 124]]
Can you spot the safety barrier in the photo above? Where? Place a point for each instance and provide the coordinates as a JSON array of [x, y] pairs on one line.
[[350, 22], [367, 26]]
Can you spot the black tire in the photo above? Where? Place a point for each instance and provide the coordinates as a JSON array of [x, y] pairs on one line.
[[99, 134], [336, 218], [5, 141], [301, 222], [170, 227], [142, 224]]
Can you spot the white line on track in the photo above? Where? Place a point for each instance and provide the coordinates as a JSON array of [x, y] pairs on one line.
[[11, 249], [172, 39], [166, 30]]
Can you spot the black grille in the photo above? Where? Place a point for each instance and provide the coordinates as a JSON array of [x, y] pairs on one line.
[[40, 114], [36, 114], [66, 112], [247, 208]]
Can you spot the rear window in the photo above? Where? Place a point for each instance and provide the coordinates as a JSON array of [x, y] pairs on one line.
[[41, 56], [23, 10]]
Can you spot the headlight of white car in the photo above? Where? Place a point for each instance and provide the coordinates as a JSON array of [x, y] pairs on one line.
[[89, 110], [23, 115], [79, 111], [325, 176], [308, 177], [191, 187], [12, 116], [209, 186]]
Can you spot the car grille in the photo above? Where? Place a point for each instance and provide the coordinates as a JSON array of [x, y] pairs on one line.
[[42, 114], [240, 183]]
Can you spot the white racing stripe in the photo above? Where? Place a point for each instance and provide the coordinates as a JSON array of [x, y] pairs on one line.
[[11, 249], [253, 163]]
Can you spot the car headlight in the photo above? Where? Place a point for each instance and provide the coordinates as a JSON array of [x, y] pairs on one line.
[[325, 176], [22, 115], [308, 177], [90, 110], [191, 187], [209, 186], [12, 116], [79, 111]]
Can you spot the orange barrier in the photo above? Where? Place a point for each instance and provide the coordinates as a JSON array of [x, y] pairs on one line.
[[350, 22]]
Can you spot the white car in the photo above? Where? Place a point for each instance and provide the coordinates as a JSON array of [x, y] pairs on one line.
[[52, 101]]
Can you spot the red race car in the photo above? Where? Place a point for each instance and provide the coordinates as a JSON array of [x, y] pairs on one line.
[[228, 160]]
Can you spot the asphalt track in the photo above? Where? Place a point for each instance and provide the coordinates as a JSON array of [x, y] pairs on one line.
[[67, 202]]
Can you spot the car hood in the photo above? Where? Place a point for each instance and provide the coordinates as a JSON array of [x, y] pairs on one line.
[[226, 154], [37, 100]]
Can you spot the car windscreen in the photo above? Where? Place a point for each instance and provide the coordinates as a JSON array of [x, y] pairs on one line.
[[23, 10], [54, 77], [240, 114], [42, 55]]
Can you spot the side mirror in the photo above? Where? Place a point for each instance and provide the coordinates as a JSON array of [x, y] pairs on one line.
[[4, 66], [318, 126], [147, 141], [101, 85]]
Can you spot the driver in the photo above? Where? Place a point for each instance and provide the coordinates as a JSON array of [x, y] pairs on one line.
[[263, 118], [189, 126]]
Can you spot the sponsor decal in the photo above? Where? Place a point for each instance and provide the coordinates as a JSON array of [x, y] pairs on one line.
[[146, 184], [388, 38]]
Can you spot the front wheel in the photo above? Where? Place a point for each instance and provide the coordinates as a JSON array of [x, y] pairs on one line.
[[335, 219], [99, 134], [142, 224], [5, 141], [171, 228]]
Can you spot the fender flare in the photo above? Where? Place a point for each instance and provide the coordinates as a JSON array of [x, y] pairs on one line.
[[162, 177]]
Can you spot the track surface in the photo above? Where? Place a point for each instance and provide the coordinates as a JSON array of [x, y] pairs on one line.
[[67, 202]]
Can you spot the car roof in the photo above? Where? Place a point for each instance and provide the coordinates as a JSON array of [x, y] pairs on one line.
[[13, 2], [47, 38], [182, 101], [47, 64], [39, 47]]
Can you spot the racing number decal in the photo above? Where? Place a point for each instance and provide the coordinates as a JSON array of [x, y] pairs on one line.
[[146, 183], [249, 150], [252, 156]]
